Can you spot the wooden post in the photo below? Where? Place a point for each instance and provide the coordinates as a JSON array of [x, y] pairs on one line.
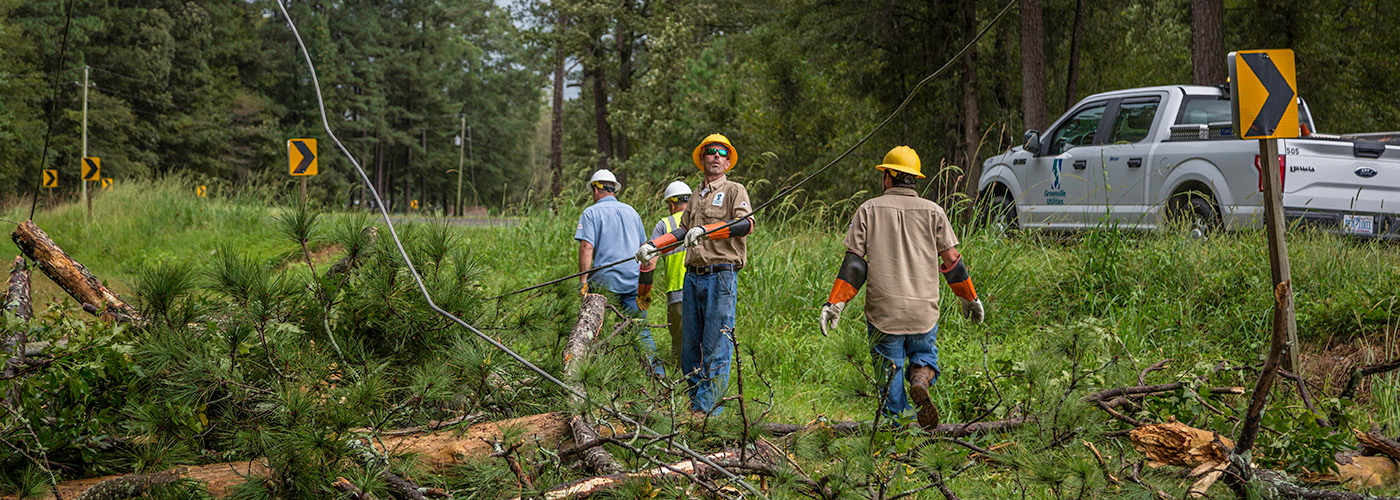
[[303, 189], [1285, 328]]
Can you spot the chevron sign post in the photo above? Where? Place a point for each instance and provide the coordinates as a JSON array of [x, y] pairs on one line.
[[1264, 98]]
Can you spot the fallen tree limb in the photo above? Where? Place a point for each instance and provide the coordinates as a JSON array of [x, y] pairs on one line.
[[70, 275], [17, 291], [1362, 372], [16, 301], [437, 450], [1379, 443], [1206, 453], [596, 459], [760, 462], [218, 480], [848, 427]]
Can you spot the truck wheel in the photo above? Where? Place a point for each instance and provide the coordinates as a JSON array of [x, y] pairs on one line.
[[1197, 212], [998, 214]]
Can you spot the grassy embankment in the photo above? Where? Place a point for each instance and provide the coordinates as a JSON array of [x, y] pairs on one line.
[[1141, 298]]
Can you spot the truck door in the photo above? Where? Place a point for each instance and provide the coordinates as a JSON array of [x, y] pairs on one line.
[[1058, 191], [1121, 190]]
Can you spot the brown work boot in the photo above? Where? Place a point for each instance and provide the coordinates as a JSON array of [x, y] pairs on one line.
[[919, 379]]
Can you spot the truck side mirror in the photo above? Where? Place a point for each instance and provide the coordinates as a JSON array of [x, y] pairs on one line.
[[1033, 141]]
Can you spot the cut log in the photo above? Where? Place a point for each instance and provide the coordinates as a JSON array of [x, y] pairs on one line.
[[218, 479], [436, 449], [1175, 443], [70, 275], [442, 449], [353, 256], [590, 322], [17, 291], [596, 459], [585, 488], [848, 427]]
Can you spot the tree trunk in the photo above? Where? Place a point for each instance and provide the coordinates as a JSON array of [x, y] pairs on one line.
[[576, 348], [379, 171], [1072, 76], [765, 456], [1207, 42], [625, 39], [1032, 66], [17, 294], [600, 113], [70, 275], [556, 117], [972, 169]]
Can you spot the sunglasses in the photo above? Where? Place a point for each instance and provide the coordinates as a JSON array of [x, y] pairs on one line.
[[679, 199], [717, 151]]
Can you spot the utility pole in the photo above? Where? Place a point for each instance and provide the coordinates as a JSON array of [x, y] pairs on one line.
[[86, 200], [461, 143]]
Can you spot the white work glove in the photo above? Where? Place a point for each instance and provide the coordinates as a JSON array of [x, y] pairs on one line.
[[694, 236], [972, 310], [647, 252], [831, 316]]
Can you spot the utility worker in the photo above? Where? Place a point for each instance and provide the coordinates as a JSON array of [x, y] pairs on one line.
[[891, 245], [607, 232], [712, 263], [677, 197]]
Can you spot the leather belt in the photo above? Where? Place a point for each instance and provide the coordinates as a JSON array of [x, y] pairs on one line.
[[704, 270]]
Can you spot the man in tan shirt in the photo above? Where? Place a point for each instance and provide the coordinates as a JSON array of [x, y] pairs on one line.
[[891, 244], [713, 227]]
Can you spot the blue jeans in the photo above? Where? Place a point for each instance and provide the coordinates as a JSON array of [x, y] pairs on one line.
[[890, 352], [707, 320], [629, 306]]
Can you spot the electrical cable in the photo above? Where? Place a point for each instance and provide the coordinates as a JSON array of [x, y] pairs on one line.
[[44, 156], [320, 102], [788, 190]]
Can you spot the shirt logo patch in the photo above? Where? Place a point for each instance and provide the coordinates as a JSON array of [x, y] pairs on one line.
[[719, 200], [743, 204]]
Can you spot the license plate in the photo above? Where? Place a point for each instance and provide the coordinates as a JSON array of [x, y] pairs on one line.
[[1358, 224]]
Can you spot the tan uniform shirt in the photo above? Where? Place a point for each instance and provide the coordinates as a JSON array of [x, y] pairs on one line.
[[719, 200], [900, 236]]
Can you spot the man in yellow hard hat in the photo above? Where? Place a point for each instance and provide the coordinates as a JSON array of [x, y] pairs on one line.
[[712, 227], [890, 246], [676, 197]]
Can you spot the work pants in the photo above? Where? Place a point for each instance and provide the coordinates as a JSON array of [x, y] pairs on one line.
[[890, 354], [707, 320], [628, 301], [673, 316]]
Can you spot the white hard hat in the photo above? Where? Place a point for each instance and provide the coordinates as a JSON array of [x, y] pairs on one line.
[[678, 188], [603, 175]]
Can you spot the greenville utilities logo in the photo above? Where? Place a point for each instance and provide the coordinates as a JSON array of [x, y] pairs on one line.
[[1055, 195]]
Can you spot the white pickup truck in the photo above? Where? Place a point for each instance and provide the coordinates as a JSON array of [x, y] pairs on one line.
[[1136, 157]]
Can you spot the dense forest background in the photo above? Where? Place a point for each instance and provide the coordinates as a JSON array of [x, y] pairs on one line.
[[553, 90]]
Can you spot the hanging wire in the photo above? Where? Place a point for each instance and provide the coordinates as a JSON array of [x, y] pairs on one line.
[[788, 190], [53, 105], [320, 102]]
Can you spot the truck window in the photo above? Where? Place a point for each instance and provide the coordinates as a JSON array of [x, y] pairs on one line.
[[1134, 120], [1203, 110], [1078, 130]]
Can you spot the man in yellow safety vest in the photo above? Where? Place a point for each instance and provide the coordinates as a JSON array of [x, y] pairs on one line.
[[677, 196]]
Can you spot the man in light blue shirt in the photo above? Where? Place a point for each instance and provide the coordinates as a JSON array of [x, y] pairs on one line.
[[610, 231]]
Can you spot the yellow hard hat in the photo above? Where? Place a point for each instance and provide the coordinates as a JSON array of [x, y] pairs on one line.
[[903, 159], [715, 139]]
